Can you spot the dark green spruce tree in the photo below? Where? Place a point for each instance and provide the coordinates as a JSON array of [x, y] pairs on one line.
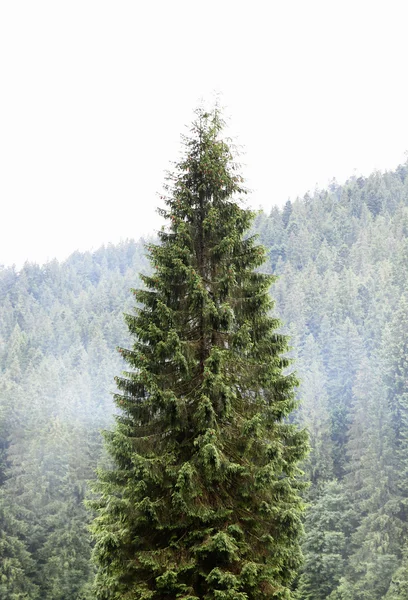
[[202, 500]]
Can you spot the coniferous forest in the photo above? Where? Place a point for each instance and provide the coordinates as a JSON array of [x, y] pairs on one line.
[[341, 260]]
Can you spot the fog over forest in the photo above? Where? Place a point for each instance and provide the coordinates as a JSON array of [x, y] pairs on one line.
[[342, 259]]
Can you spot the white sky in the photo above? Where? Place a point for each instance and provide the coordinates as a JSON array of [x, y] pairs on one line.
[[94, 96]]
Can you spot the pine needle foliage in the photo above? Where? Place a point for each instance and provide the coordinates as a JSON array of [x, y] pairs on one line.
[[203, 501]]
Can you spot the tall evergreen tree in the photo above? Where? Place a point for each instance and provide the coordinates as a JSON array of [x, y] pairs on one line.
[[17, 568], [203, 498], [371, 482], [314, 414], [328, 525], [346, 353]]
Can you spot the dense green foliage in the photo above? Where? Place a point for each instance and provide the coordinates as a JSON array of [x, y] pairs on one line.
[[341, 255], [203, 500]]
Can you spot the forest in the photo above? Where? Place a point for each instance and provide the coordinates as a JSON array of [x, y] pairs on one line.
[[341, 257]]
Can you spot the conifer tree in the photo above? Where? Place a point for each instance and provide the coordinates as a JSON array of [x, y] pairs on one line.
[[203, 497], [398, 589], [16, 565], [328, 526], [371, 482], [315, 415]]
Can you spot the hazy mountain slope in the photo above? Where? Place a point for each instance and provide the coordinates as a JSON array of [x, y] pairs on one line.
[[342, 257]]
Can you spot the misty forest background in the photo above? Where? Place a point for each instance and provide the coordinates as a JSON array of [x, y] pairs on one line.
[[342, 258]]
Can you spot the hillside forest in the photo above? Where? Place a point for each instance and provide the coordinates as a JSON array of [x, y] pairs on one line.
[[341, 256]]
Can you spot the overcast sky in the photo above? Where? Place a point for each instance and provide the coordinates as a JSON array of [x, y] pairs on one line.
[[94, 96]]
